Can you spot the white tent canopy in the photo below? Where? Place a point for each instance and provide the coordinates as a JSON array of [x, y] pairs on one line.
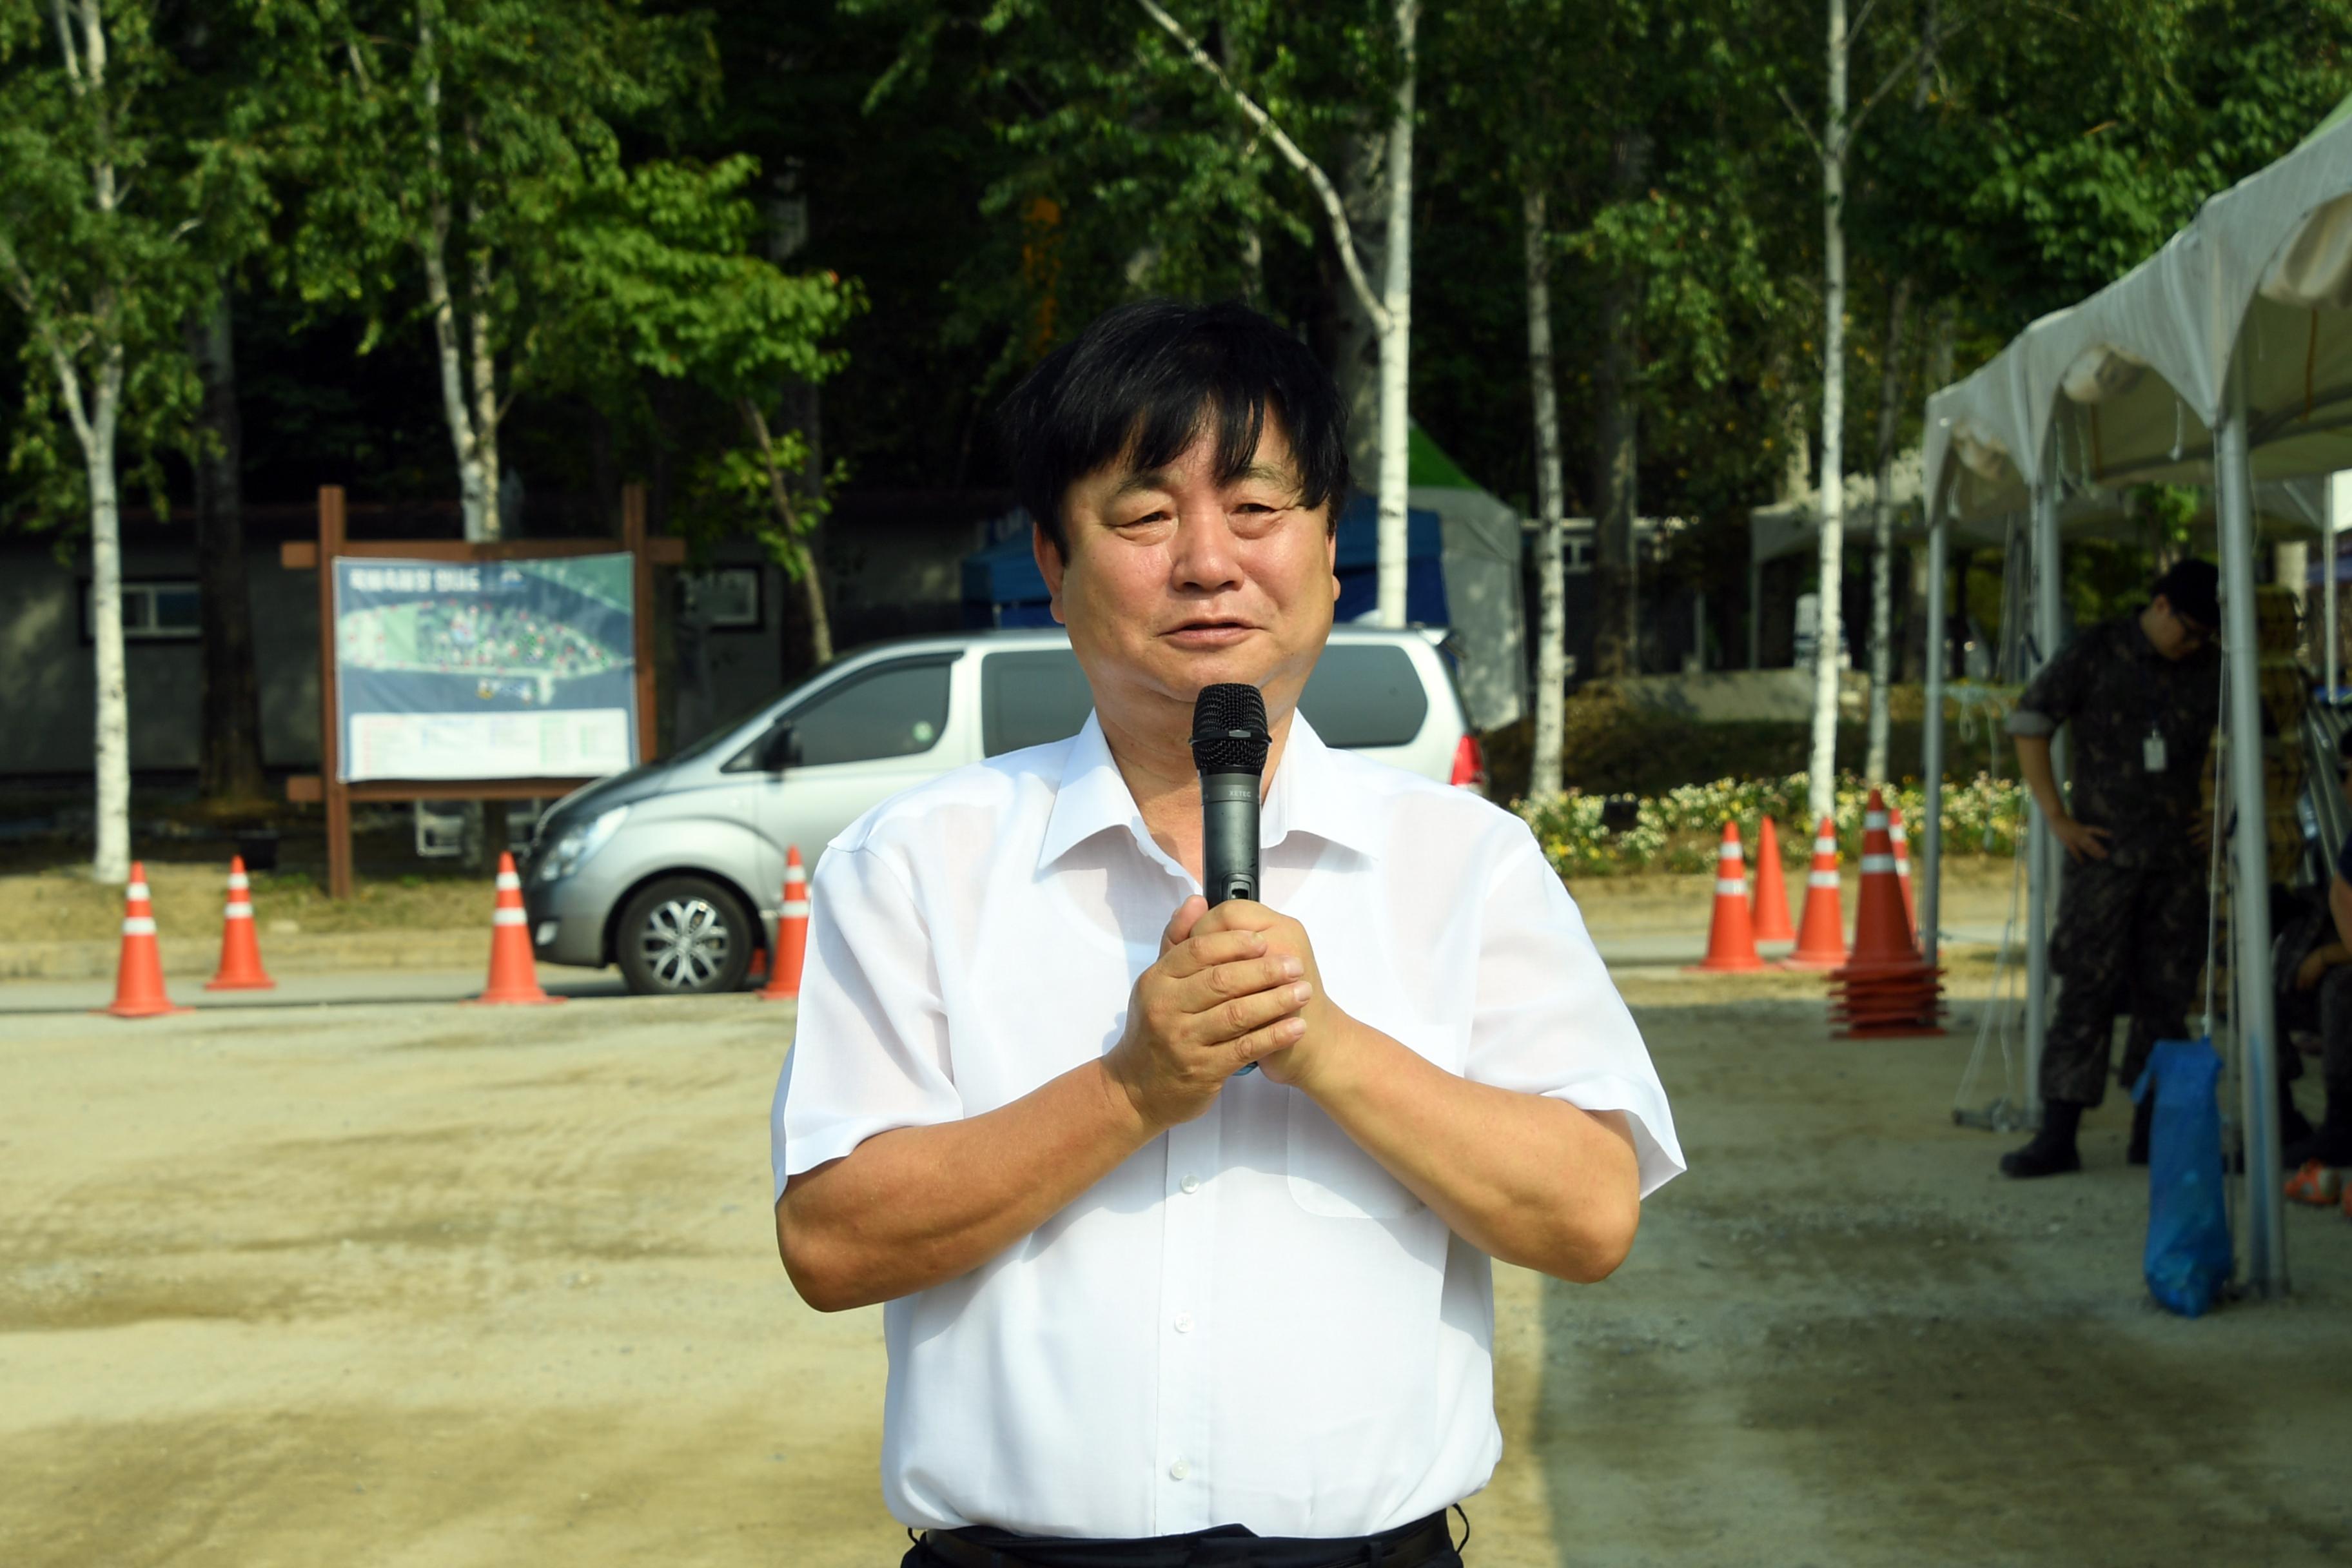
[[2224, 359]]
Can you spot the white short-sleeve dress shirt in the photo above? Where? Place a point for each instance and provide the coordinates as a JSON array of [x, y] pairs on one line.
[[1249, 1321]]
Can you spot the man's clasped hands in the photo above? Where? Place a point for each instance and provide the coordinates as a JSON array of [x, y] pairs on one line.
[[1233, 986]]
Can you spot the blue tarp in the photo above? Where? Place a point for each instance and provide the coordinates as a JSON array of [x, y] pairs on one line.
[[1002, 586]]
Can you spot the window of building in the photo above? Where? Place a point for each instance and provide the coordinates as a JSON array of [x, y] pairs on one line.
[[153, 610]]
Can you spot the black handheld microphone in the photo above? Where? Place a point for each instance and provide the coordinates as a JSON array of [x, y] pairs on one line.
[[1229, 742]]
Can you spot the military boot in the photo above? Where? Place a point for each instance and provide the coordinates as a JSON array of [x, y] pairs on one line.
[[2051, 1152]]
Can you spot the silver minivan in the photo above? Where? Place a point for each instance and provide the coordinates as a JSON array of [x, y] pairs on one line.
[[673, 870]]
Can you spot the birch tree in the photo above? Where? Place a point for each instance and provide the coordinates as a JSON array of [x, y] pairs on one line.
[[98, 204], [1551, 507], [1832, 145], [1506, 73], [1894, 381], [1389, 307], [445, 144]]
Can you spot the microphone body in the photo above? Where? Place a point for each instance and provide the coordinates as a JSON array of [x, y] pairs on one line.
[[1229, 746], [1229, 836]]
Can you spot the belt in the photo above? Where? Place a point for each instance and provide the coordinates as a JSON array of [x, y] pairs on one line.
[[1426, 1540]]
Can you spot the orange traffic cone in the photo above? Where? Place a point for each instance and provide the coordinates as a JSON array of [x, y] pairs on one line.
[[240, 958], [1730, 944], [1882, 931], [138, 979], [1887, 990], [1903, 868], [1771, 921], [513, 980], [1820, 936], [792, 932]]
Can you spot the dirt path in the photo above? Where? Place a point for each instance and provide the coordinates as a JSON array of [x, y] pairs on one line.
[[428, 1285]]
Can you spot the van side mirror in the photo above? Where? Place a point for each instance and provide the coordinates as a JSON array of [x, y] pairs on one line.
[[778, 749]]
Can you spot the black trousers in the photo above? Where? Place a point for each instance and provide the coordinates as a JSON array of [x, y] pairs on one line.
[[1426, 1543], [2130, 938]]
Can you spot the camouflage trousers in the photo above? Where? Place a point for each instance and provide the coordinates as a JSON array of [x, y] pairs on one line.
[[2129, 939]]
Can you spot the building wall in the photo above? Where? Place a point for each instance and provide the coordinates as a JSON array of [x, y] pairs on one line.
[[48, 684]]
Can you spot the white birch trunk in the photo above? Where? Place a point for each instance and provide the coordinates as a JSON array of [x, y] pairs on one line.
[[1396, 333], [1356, 343], [478, 494], [111, 863], [1882, 533], [484, 367], [94, 424], [1551, 595], [1822, 781]]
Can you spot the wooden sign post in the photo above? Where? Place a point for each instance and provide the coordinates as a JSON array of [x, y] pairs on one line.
[[329, 785]]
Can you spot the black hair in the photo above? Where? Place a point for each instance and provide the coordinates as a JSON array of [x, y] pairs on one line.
[[1144, 381], [2191, 588]]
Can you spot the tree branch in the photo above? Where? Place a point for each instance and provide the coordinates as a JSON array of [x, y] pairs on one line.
[[65, 45], [1799, 121], [1343, 234], [778, 491], [1928, 45]]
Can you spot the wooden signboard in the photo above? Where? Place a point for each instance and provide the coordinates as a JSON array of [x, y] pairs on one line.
[[328, 785]]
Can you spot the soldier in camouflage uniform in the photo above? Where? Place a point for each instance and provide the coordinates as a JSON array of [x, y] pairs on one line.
[[2139, 696]]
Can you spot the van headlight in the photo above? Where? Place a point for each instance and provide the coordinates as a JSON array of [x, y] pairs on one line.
[[575, 844]]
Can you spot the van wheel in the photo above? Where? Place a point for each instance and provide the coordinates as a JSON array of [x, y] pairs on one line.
[[685, 936]]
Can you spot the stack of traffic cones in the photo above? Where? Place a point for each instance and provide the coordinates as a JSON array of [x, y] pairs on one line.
[[1886, 990], [1771, 919], [1820, 936], [1903, 866], [240, 960], [514, 980], [139, 978], [1730, 944], [791, 932]]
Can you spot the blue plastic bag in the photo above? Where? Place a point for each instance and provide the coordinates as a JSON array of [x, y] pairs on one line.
[[2189, 1260]]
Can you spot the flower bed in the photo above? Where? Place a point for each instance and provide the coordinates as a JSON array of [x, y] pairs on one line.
[[1679, 830]]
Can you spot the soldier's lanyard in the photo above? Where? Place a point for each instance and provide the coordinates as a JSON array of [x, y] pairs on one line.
[[2151, 750]]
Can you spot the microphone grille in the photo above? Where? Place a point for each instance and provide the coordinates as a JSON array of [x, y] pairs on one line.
[[1229, 730]]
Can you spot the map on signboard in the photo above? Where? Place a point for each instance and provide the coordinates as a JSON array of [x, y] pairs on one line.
[[496, 669]]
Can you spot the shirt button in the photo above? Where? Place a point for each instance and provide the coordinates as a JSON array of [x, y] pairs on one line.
[[1179, 1471], [1191, 1183], [1183, 1322]]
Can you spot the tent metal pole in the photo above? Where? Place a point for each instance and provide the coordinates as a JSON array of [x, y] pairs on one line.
[[1931, 751], [2042, 844], [2264, 1250], [2339, 492]]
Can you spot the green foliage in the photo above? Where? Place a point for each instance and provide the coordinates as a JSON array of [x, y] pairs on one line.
[[124, 188], [664, 278], [2062, 145], [494, 126], [667, 285], [1122, 168]]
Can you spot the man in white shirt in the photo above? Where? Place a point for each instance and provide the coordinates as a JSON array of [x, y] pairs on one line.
[[1143, 1309]]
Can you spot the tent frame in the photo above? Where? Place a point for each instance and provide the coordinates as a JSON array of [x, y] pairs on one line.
[[2193, 318]]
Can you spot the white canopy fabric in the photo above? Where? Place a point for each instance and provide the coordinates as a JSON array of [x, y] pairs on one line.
[[2223, 360]]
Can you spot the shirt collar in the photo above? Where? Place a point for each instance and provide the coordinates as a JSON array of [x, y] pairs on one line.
[[1306, 796]]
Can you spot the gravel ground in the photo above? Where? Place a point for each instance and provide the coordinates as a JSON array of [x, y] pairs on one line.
[[425, 1284]]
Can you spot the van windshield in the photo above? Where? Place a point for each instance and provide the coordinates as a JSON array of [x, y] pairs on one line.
[[724, 730]]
